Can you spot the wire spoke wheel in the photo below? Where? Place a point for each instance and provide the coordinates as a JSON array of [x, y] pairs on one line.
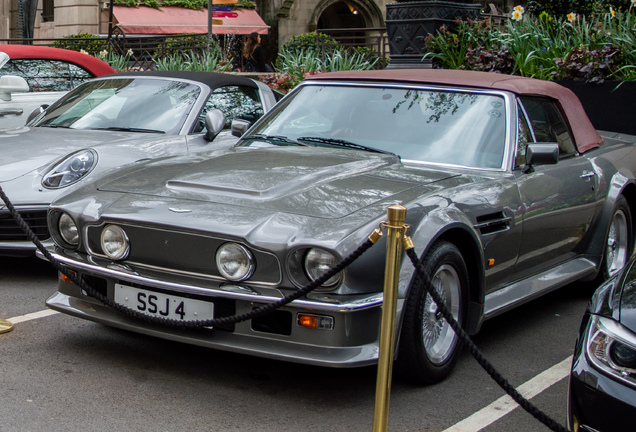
[[617, 247], [438, 337]]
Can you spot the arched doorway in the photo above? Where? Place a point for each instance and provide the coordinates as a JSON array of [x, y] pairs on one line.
[[331, 15], [341, 15]]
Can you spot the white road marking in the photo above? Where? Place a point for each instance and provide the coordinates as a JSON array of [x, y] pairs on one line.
[[32, 316], [505, 404]]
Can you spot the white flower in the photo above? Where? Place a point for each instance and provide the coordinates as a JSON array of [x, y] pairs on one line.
[[521, 10], [83, 51], [129, 52], [516, 15], [104, 53], [572, 16]]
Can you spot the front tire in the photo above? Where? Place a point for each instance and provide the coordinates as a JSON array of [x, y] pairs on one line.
[[429, 348]]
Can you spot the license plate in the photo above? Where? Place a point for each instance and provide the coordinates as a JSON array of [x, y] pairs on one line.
[[162, 305]]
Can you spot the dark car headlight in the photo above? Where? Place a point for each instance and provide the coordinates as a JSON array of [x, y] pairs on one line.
[[70, 170], [235, 262], [612, 348], [318, 262], [68, 229]]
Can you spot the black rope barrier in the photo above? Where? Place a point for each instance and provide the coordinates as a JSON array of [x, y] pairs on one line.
[[466, 341], [260, 311]]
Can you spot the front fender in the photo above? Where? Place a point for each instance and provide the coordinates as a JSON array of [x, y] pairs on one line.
[[450, 224]]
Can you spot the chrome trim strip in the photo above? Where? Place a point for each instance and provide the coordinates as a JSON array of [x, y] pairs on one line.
[[372, 300], [527, 289]]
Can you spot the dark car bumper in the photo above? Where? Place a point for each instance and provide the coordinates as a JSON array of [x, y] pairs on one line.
[[597, 402]]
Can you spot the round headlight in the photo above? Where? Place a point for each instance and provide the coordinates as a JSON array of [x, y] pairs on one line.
[[234, 262], [318, 262], [70, 170], [68, 230], [115, 242]]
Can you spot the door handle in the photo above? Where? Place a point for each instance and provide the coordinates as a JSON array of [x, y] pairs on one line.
[[587, 175]]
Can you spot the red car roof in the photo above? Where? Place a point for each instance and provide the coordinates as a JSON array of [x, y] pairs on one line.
[[585, 135], [87, 62]]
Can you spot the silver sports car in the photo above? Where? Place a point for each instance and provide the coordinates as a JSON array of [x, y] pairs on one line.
[[510, 193], [112, 121]]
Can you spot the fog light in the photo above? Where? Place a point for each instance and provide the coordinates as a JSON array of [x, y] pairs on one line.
[[319, 322]]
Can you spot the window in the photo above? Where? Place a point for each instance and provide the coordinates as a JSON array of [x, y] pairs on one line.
[[47, 75], [48, 10], [523, 138], [547, 124], [235, 102]]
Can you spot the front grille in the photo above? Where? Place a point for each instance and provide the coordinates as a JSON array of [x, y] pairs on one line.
[[11, 231]]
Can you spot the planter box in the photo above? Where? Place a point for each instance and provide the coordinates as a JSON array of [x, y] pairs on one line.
[[608, 107], [409, 23]]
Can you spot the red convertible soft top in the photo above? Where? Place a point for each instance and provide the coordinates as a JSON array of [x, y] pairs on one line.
[[585, 135], [87, 62]]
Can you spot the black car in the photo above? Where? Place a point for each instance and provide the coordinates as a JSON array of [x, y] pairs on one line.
[[602, 395]]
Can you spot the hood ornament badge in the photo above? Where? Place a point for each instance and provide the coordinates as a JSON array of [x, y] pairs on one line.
[[178, 210]]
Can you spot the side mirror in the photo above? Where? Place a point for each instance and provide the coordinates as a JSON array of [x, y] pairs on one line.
[[541, 154], [214, 123], [36, 112], [240, 126], [12, 84]]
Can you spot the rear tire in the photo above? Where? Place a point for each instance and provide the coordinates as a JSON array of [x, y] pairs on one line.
[[429, 348], [618, 243]]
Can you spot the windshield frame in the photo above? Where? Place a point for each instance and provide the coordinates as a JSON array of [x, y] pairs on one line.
[[508, 98]]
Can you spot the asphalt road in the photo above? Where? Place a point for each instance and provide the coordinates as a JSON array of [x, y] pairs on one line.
[[59, 373]]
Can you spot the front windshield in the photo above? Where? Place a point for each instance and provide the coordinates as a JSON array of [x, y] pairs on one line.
[[137, 104], [456, 128]]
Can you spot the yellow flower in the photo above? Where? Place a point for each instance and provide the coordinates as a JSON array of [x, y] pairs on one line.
[[572, 16], [612, 11], [516, 15], [83, 51], [521, 10]]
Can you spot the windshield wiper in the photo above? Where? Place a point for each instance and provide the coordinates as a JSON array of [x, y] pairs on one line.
[[277, 139], [343, 143], [54, 126], [129, 129]]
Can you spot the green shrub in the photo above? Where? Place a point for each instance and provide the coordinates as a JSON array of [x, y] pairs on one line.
[[86, 42], [194, 61], [309, 42]]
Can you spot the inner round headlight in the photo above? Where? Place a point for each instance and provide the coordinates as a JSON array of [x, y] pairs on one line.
[[234, 262], [115, 242], [68, 230], [318, 262], [70, 170]]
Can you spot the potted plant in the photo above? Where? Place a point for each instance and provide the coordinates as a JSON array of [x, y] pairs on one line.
[[409, 22]]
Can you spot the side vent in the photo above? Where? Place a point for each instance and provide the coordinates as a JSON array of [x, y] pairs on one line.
[[492, 223]]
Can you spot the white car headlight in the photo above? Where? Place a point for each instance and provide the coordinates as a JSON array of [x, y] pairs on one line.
[[68, 230], [234, 262], [612, 348], [115, 243], [70, 170], [318, 262]]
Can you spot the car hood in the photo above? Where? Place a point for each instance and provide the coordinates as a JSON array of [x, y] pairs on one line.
[[307, 181], [26, 149]]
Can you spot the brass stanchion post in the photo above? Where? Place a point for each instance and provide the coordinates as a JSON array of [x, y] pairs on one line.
[[395, 230], [5, 326]]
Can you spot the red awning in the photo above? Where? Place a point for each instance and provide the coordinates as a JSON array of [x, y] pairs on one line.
[[176, 20]]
